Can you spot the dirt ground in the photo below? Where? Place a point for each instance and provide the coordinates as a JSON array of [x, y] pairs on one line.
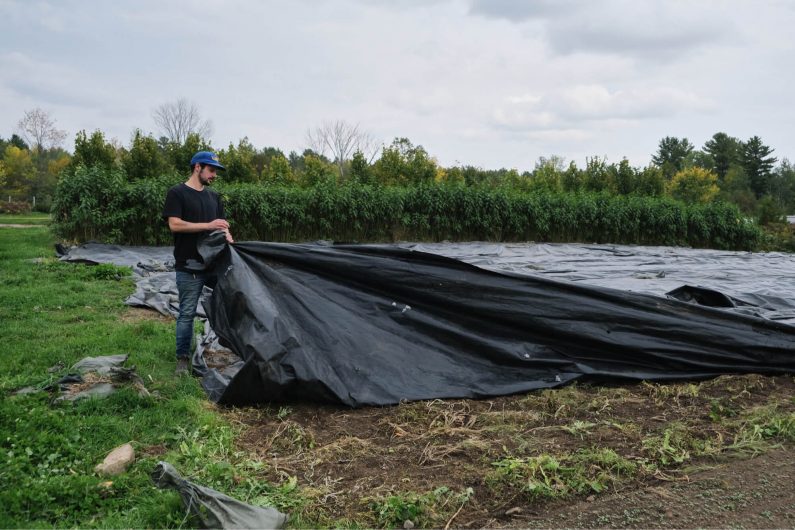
[[715, 453], [751, 493]]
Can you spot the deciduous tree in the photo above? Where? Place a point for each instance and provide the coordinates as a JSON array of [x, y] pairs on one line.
[[39, 131], [341, 140], [403, 163], [279, 171], [17, 172], [145, 158], [94, 150], [179, 119], [315, 170], [239, 162], [694, 185], [361, 172]]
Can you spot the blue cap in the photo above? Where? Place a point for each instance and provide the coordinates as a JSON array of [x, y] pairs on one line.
[[206, 157]]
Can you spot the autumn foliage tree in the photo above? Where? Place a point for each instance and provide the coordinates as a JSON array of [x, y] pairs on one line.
[[17, 172], [694, 185]]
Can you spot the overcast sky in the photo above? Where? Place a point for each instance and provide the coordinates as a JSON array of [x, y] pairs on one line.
[[492, 83]]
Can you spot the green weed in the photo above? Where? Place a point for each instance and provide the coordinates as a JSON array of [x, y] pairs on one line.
[[422, 509], [547, 476], [720, 409], [760, 428], [677, 444], [579, 428]]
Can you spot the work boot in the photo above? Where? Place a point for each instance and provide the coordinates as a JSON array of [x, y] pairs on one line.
[[182, 366]]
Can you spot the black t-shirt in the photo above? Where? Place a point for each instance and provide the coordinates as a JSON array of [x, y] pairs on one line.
[[195, 207]]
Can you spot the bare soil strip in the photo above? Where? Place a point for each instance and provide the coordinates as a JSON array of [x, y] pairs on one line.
[[681, 456]]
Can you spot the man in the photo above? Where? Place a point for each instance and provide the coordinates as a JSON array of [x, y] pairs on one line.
[[193, 211]]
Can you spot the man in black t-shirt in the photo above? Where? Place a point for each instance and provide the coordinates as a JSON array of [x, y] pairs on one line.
[[192, 211]]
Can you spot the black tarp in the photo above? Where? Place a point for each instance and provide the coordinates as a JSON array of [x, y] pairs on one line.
[[375, 325], [759, 283]]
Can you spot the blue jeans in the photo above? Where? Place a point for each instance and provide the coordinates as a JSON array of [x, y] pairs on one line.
[[189, 286]]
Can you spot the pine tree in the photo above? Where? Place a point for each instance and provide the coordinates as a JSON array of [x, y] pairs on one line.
[[724, 151], [758, 165], [672, 154]]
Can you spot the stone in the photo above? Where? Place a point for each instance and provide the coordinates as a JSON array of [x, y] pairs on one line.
[[117, 461]]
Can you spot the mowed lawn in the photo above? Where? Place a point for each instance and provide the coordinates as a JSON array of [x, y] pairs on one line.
[[54, 314]]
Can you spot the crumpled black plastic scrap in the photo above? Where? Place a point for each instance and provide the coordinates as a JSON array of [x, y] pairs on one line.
[[213, 508]]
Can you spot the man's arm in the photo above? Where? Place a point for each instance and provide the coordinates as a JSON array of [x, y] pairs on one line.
[[176, 224]]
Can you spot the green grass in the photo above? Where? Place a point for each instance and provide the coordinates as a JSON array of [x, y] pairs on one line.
[[54, 312], [33, 218]]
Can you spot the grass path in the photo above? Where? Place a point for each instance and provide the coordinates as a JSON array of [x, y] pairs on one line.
[[28, 219]]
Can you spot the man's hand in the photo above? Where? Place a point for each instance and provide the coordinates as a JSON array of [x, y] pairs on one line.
[[228, 236], [218, 224]]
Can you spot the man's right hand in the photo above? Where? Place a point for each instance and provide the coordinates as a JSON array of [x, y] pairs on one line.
[[218, 224]]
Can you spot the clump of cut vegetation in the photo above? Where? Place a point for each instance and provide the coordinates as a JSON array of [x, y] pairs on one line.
[[423, 510], [547, 476]]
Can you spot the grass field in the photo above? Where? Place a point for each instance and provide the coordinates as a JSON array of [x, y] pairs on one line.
[[626, 456], [53, 312]]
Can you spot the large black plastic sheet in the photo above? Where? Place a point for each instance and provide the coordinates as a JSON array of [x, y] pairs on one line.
[[375, 325]]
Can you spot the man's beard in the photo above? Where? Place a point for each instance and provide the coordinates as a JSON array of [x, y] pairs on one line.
[[205, 180]]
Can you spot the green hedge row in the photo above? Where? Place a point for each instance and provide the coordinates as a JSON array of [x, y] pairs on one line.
[[98, 204]]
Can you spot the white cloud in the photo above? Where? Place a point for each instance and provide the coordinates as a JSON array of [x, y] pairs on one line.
[[588, 101], [57, 83], [597, 102], [492, 83], [661, 30], [524, 98], [594, 103], [518, 119], [560, 135]]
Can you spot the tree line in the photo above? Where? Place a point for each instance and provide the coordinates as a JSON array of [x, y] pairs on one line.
[[724, 168]]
